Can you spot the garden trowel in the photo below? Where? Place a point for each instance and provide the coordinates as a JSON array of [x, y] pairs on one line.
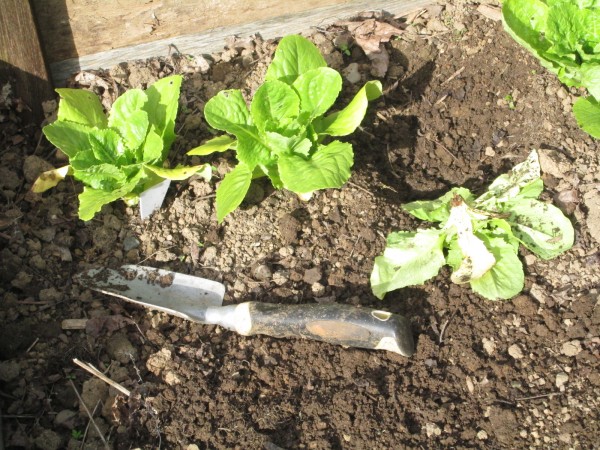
[[200, 300]]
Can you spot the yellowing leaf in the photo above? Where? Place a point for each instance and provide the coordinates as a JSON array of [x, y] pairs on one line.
[[50, 178]]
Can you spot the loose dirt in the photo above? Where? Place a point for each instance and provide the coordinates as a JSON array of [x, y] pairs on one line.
[[463, 103]]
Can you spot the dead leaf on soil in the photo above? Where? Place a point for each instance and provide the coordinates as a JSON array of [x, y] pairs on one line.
[[491, 12], [102, 85], [370, 34]]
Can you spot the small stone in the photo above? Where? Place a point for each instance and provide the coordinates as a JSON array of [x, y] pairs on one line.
[[120, 348], [281, 277], [567, 200], [317, 289], [312, 276], [158, 361], [489, 151], [209, 256], [489, 346], [515, 351], [202, 63], [33, 166], [530, 260], [470, 385], [48, 440], [571, 348], [262, 272], [352, 73], [239, 286], [46, 234], [65, 418], [50, 295], [432, 430], [9, 370], [554, 163], [592, 203], [171, 378], [538, 293], [130, 243], [22, 280], [94, 391], [561, 379], [482, 435]]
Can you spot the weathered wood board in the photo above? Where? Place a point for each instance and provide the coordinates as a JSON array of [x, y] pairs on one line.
[[21, 57], [88, 34], [72, 28]]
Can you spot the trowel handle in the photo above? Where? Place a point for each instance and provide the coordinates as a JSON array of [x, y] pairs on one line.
[[328, 322]]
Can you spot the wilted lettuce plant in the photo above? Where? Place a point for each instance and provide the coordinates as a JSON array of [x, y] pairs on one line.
[[478, 237]]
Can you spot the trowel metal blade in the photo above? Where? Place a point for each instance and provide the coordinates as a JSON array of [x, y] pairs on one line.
[[175, 293], [152, 199]]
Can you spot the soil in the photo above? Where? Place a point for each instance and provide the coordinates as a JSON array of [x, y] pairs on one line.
[[503, 375]]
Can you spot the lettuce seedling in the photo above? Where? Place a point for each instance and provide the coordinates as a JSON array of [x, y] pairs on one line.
[[565, 36], [478, 237], [282, 135], [119, 155]]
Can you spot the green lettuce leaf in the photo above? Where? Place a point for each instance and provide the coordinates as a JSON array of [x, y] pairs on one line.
[[182, 172], [215, 145], [92, 200], [82, 107], [232, 190], [328, 167], [162, 106], [506, 278], [129, 119], [437, 210], [274, 106], [294, 56], [227, 111], [587, 114], [318, 89], [102, 176], [69, 137], [409, 258], [107, 145], [347, 120], [152, 150]]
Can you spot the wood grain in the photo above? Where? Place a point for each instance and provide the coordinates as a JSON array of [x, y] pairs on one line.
[[21, 57], [213, 40], [76, 28]]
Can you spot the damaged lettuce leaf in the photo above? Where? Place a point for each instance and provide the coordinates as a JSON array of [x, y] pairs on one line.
[[119, 155], [284, 134], [478, 238]]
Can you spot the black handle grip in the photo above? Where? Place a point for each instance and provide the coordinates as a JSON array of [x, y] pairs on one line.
[[334, 323]]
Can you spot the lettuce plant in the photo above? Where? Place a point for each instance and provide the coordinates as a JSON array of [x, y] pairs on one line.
[[119, 155], [478, 237], [283, 133], [565, 36]]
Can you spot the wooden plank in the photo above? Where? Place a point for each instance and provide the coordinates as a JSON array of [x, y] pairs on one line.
[[21, 57], [213, 40], [84, 27]]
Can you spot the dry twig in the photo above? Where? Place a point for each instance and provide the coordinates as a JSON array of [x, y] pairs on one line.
[[90, 415], [91, 369]]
